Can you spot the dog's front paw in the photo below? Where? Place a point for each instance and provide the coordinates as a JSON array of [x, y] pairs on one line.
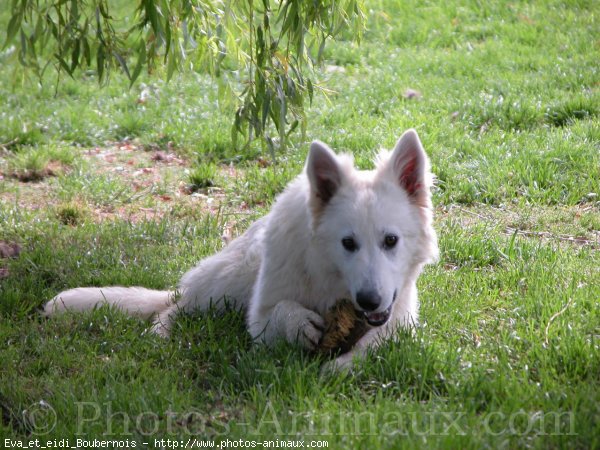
[[341, 364], [308, 332]]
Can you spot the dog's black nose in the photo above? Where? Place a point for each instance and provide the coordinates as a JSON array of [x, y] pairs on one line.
[[368, 300]]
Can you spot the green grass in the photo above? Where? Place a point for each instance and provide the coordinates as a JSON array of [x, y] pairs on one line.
[[507, 355]]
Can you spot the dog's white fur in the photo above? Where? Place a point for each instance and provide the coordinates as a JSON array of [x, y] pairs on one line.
[[291, 266]]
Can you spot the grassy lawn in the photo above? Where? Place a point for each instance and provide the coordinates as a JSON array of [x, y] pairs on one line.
[[102, 186]]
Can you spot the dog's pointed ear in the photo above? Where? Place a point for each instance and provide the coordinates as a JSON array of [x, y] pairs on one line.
[[323, 171], [410, 166]]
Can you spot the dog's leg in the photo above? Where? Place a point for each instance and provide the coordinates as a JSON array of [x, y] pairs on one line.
[[346, 361], [289, 320]]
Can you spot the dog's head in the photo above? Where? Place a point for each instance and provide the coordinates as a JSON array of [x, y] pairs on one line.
[[374, 227]]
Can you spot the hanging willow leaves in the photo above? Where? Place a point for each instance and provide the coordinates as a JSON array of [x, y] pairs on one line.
[[261, 52]]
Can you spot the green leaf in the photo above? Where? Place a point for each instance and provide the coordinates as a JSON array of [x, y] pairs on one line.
[[140, 62], [152, 16], [31, 47], [122, 63], [100, 57], [266, 107], [321, 48], [13, 27], [87, 54], [39, 28], [171, 65], [23, 51], [53, 28], [99, 34], [292, 127], [168, 37], [74, 11], [104, 10], [75, 56], [64, 64], [310, 89], [291, 15]]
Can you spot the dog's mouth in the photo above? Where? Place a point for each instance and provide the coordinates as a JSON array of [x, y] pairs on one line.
[[376, 319]]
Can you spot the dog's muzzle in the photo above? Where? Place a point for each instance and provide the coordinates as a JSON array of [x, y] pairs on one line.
[[376, 319]]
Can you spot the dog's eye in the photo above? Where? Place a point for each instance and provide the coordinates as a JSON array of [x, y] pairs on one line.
[[390, 241], [350, 244]]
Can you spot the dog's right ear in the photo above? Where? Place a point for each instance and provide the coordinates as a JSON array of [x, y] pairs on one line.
[[409, 166], [324, 174]]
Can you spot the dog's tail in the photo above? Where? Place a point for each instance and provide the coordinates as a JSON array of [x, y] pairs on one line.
[[135, 301]]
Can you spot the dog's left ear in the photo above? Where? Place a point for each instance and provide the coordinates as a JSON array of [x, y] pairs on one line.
[[324, 175], [323, 170], [410, 167]]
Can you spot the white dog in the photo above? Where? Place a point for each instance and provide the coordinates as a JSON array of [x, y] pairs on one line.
[[335, 232]]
